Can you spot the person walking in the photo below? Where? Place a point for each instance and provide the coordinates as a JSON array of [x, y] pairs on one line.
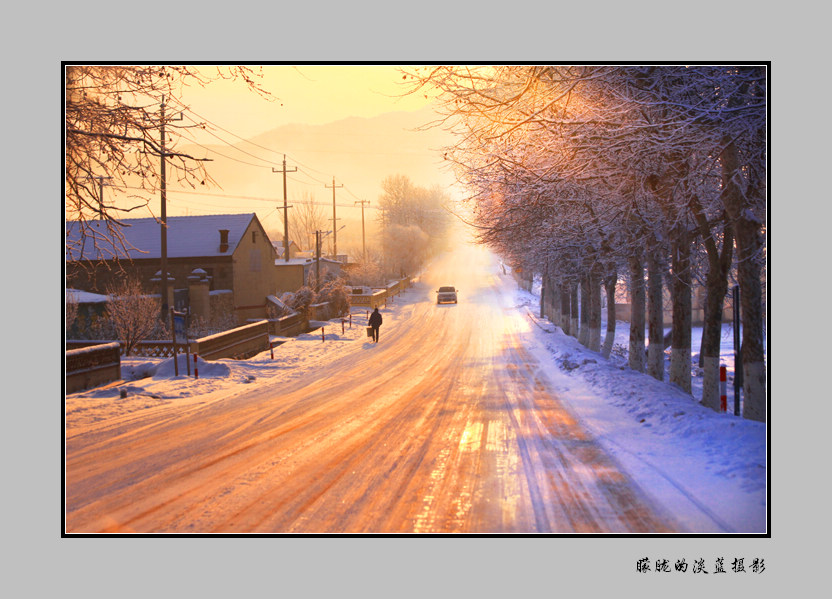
[[375, 323]]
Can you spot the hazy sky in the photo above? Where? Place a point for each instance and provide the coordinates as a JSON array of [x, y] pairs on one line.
[[306, 94]]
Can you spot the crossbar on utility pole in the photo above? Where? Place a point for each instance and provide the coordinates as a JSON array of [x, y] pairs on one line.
[[363, 239], [334, 234], [285, 208], [100, 194]]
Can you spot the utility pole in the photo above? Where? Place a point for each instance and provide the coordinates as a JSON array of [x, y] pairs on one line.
[[363, 239], [317, 261], [164, 212], [285, 208], [334, 234], [100, 194]]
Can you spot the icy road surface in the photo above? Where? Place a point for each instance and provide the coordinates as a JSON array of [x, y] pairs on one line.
[[447, 425]]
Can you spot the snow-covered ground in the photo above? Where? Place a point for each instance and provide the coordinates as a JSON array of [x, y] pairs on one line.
[[709, 467], [682, 452]]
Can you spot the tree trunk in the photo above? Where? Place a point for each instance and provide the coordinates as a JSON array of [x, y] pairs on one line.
[[750, 246], [751, 305], [583, 336], [565, 307], [553, 295], [575, 314], [716, 287], [636, 272], [609, 338], [594, 311], [681, 295], [655, 316]]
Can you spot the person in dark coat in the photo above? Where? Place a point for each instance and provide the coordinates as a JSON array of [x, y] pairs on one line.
[[375, 322]]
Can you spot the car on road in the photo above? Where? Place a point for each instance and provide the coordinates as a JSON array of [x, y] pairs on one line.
[[446, 294]]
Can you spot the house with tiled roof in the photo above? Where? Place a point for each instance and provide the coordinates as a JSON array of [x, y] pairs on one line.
[[221, 252]]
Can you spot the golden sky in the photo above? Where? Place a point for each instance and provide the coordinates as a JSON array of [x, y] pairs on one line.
[[358, 157], [303, 94]]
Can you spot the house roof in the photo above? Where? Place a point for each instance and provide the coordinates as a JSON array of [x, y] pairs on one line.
[[85, 297], [188, 236]]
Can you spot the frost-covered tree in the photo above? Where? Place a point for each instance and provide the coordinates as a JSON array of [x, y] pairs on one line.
[[583, 170], [307, 218], [133, 313], [335, 293], [114, 116], [414, 220]]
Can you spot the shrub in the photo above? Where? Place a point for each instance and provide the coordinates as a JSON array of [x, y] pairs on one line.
[[335, 292], [300, 300]]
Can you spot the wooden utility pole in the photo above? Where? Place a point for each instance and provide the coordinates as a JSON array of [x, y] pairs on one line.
[[334, 233], [363, 239], [164, 216], [100, 180], [285, 209], [317, 261]]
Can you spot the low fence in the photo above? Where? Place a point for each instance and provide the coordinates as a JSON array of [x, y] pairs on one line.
[[320, 311], [370, 300], [242, 342], [91, 366], [288, 326], [144, 349], [623, 312], [379, 296]]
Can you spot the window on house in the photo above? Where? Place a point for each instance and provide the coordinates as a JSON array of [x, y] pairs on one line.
[[254, 237], [254, 260]]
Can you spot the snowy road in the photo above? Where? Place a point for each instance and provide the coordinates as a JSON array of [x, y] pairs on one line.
[[447, 425]]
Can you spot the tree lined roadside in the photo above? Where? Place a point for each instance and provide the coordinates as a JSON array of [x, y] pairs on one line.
[[653, 174]]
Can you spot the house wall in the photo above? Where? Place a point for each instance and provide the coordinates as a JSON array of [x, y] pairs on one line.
[[253, 273], [288, 277], [95, 276]]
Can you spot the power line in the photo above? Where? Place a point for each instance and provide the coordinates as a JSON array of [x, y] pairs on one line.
[[232, 196]]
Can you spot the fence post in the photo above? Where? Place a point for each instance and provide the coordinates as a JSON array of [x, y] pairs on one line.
[[196, 370], [271, 347], [723, 392], [323, 334]]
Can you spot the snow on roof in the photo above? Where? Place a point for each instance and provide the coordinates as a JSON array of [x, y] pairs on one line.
[[293, 261], [84, 297], [188, 236]]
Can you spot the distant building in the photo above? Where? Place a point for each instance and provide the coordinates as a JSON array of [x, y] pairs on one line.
[[294, 250]]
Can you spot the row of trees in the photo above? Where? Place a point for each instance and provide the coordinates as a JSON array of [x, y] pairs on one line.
[[656, 174], [414, 222]]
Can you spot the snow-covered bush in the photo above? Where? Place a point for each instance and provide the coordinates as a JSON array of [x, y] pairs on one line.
[[133, 314], [335, 293], [70, 313], [300, 300]]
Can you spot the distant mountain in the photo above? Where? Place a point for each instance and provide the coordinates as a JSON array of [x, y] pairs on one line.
[[358, 152]]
